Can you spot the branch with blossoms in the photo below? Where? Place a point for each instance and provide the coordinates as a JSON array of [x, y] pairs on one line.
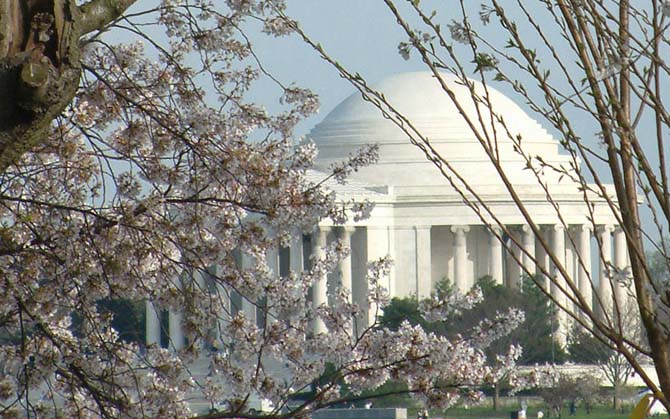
[[141, 172], [613, 90]]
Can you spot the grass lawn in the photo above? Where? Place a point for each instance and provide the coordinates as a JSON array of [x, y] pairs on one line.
[[531, 413]]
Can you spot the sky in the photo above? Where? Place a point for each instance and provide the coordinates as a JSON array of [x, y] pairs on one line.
[[363, 36]]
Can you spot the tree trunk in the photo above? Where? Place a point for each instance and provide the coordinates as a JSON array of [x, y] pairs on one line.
[[39, 70], [496, 396], [40, 65]]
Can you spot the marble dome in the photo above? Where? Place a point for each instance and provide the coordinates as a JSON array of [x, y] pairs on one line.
[[419, 97], [423, 223]]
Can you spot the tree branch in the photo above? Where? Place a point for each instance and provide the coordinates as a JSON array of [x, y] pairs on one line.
[[96, 14]]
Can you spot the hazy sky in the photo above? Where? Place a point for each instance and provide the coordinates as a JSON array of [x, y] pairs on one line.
[[361, 34]]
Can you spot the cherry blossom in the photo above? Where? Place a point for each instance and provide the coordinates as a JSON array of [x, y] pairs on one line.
[[153, 183]]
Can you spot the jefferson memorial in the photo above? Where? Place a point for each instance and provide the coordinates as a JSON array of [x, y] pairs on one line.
[[421, 220]]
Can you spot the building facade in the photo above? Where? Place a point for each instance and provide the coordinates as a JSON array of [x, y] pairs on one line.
[[422, 218]]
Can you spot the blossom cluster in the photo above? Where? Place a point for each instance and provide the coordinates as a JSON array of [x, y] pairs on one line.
[[155, 185]]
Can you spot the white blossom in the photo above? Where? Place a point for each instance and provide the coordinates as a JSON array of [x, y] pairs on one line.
[[459, 32], [154, 185]]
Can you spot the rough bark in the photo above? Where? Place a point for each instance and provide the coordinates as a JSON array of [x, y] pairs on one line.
[[39, 71], [40, 65], [97, 13]]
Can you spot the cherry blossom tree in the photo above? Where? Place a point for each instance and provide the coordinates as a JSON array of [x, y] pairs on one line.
[[593, 71], [139, 171], [611, 365]]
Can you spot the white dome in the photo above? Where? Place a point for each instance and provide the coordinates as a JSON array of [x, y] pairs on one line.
[[420, 98]]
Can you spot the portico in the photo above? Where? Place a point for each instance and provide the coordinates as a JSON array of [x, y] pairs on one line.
[[438, 228], [422, 219]]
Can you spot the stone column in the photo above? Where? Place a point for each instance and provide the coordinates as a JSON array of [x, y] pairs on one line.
[[295, 254], [604, 285], [621, 263], [225, 309], [264, 315], [344, 267], [390, 282], [379, 242], [175, 330], [320, 286], [423, 261], [495, 254], [514, 256], [460, 257], [558, 280], [529, 249], [248, 307], [199, 279], [543, 259], [272, 259], [570, 263], [558, 251], [153, 325], [584, 264]]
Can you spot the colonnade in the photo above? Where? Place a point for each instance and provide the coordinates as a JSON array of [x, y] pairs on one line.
[[317, 241], [511, 255], [508, 256]]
